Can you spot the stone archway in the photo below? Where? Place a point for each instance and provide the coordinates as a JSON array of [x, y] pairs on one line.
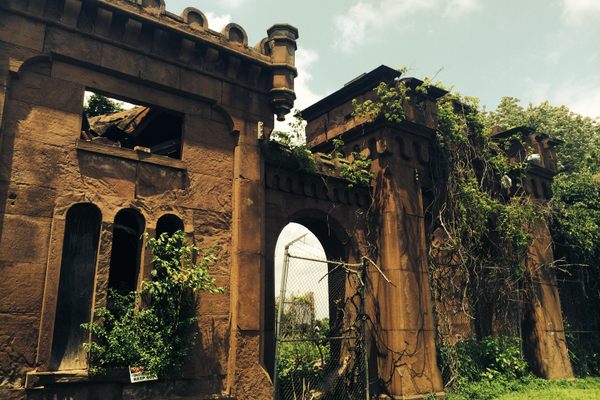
[[337, 245]]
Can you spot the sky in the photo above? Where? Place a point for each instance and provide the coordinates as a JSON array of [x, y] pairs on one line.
[[303, 276], [534, 50]]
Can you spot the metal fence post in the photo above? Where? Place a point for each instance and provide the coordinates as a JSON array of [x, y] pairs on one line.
[[363, 317], [284, 276]]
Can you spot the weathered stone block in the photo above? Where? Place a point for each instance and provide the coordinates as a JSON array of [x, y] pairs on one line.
[[155, 180], [160, 72], [125, 61], [106, 175], [416, 371], [201, 85], [18, 339], [33, 88], [25, 199], [72, 45], [250, 291], [216, 304], [210, 356], [208, 193], [399, 311], [15, 277], [21, 31], [214, 229], [208, 160], [41, 124], [24, 239]]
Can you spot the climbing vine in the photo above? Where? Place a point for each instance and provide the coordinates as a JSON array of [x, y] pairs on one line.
[[154, 327], [480, 217], [356, 169]]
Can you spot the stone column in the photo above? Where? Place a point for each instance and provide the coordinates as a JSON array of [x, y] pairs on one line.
[[246, 378], [543, 329], [407, 363]]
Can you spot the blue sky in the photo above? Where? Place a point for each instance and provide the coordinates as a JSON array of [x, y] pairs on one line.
[[530, 49]]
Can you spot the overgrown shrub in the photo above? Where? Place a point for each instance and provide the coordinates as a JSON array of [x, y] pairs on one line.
[[154, 328], [492, 358]]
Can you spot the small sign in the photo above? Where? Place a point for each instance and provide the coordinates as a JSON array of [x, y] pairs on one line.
[[139, 374]]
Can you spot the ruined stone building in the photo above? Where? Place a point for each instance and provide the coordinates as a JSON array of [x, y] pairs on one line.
[[76, 194]]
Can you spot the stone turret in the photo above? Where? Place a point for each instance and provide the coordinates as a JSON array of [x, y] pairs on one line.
[[282, 44]]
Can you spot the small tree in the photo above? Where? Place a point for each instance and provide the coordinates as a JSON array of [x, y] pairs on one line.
[[101, 105], [153, 328]]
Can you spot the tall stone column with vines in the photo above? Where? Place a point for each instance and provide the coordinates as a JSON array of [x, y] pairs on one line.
[[404, 330]]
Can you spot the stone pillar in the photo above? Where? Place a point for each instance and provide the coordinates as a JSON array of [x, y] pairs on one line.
[[543, 329], [405, 342], [246, 378]]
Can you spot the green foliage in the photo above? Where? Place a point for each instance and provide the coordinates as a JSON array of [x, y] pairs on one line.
[[154, 327], [358, 170], [389, 103], [295, 142], [483, 227], [302, 363], [581, 135], [575, 213], [493, 357], [527, 387], [100, 105], [576, 203], [299, 151], [584, 348], [577, 217]]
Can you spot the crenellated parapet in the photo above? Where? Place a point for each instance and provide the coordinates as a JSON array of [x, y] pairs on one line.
[[324, 183], [147, 28]]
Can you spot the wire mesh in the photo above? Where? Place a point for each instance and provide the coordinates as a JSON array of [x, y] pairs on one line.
[[320, 341], [580, 298]]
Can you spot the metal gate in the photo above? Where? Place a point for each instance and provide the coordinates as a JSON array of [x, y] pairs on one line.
[[320, 349]]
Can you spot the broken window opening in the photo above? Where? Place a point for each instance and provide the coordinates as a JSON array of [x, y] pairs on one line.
[[169, 224], [125, 258], [76, 287], [149, 129]]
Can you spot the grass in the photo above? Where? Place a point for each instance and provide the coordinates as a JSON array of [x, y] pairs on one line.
[[579, 389], [529, 388]]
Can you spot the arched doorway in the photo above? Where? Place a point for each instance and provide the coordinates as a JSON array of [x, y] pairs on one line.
[[318, 338], [320, 243]]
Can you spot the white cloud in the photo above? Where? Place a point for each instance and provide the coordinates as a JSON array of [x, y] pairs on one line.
[[458, 8], [217, 22], [231, 4], [578, 11], [366, 19], [305, 96], [581, 96]]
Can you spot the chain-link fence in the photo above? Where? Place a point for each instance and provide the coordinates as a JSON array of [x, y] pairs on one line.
[[320, 351], [580, 300]]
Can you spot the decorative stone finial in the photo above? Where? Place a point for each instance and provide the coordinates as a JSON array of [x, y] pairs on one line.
[[282, 43]]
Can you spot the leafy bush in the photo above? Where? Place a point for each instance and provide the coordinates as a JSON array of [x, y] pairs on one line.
[[153, 328], [302, 364], [492, 358]]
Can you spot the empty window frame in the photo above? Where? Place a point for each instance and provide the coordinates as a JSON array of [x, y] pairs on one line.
[[125, 258], [150, 129], [76, 287], [169, 224]]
